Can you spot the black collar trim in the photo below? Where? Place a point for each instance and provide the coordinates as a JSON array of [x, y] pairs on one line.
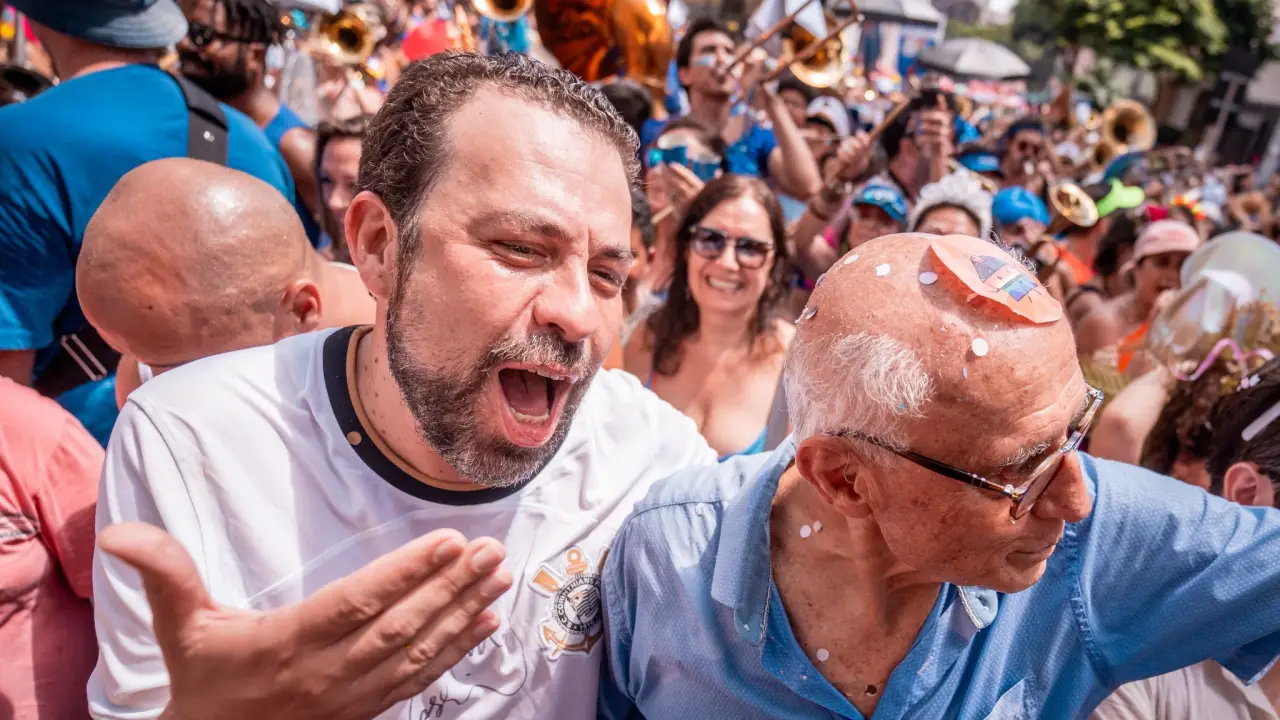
[[339, 357]]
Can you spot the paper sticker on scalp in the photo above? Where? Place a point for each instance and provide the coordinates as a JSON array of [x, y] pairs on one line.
[[989, 272]]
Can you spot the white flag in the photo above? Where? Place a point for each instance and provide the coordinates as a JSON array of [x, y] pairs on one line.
[[771, 11]]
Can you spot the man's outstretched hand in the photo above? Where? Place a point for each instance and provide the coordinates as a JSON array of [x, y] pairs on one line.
[[351, 650]]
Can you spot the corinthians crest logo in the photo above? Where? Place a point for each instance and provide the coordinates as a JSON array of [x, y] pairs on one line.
[[573, 623]]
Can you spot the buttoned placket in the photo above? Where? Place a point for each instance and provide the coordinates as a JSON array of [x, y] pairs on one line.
[[746, 585]]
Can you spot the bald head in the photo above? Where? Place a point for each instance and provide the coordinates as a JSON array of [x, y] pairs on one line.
[[897, 342], [186, 258]]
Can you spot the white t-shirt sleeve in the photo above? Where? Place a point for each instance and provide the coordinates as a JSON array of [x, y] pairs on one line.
[[677, 444], [141, 482]]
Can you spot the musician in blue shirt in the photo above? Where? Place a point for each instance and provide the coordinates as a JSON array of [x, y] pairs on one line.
[[930, 544], [778, 153]]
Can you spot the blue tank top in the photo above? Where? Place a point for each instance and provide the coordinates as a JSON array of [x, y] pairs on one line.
[[283, 122]]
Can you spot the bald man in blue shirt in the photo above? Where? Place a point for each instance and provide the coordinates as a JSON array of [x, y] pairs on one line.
[[929, 544]]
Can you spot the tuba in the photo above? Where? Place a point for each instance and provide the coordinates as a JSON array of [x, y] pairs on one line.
[[351, 35], [1128, 126], [502, 10], [1101, 155], [597, 39]]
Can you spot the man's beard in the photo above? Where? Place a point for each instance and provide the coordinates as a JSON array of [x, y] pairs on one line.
[[445, 403], [222, 84]]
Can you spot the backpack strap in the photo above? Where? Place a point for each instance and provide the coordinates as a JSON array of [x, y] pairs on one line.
[[206, 124], [83, 356]]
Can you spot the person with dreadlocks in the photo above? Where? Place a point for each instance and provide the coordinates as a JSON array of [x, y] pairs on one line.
[[225, 53]]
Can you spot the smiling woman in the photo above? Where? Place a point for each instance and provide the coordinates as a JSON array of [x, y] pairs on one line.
[[715, 350]]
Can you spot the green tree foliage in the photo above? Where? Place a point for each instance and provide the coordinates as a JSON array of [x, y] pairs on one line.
[[1249, 24], [1177, 36]]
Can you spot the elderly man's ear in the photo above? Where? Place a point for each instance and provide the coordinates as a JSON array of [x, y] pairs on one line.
[[299, 310], [836, 472]]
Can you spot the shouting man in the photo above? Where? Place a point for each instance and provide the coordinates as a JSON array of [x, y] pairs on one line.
[[930, 544], [321, 487]]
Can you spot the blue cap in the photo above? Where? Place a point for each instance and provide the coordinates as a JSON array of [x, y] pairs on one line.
[[131, 24], [980, 161], [1016, 203], [885, 197]]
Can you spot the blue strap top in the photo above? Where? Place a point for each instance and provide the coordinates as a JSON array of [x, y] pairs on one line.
[[284, 121]]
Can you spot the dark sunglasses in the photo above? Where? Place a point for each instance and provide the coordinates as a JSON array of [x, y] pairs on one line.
[[201, 35], [1024, 495], [710, 244], [1029, 147]]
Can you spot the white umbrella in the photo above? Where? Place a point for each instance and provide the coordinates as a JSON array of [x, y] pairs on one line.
[[974, 59], [905, 12]]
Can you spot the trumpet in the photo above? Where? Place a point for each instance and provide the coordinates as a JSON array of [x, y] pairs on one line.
[[351, 36], [1072, 207]]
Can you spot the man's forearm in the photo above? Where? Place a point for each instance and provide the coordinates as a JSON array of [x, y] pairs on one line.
[[798, 172]]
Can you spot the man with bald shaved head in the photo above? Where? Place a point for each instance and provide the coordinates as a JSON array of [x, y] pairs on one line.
[[929, 543], [222, 263]]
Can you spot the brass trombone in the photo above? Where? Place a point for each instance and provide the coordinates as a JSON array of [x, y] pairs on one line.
[[741, 55], [817, 62]]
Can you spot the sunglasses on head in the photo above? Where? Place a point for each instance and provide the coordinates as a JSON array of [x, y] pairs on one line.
[[711, 243]]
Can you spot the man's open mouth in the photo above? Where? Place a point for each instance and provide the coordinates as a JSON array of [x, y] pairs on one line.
[[532, 398]]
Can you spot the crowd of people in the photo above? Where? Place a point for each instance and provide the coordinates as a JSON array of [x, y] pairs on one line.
[[451, 384]]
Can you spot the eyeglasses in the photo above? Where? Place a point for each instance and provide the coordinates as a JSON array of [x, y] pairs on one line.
[[710, 244], [201, 35], [1023, 496]]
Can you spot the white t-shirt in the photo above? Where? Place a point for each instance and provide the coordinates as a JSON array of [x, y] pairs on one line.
[[258, 463], [1204, 690]]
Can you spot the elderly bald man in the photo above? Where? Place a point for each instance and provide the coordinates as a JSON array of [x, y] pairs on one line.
[[929, 543], [185, 259]]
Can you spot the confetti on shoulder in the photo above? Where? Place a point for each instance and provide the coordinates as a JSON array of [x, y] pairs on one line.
[[882, 270], [928, 278], [851, 258], [980, 347]]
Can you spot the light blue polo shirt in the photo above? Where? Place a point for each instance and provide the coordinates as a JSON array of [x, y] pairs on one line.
[[1160, 575]]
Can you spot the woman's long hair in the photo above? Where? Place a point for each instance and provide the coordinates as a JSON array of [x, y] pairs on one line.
[[678, 319]]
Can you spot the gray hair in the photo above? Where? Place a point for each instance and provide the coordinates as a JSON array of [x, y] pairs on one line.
[[859, 382], [959, 189]]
